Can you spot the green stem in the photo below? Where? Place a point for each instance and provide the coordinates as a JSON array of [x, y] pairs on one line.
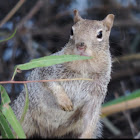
[[15, 71], [9, 37], [26, 106]]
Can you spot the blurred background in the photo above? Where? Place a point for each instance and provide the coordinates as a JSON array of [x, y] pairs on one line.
[[43, 27]]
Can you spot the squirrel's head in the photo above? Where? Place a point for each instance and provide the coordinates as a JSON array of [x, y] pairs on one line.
[[90, 38], [90, 35]]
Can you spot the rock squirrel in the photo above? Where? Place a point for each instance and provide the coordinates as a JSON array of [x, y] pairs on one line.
[[59, 109]]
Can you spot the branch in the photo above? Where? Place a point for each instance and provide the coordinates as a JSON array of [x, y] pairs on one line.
[[111, 127], [36, 81], [34, 10], [12, 12], [127, 114], [121, 107], [128, 57]]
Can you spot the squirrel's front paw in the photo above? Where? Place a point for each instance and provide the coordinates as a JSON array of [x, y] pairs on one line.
[[65, 103]]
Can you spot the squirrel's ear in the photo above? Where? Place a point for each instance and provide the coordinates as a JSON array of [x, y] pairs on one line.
[[77, 17], [109, 21]]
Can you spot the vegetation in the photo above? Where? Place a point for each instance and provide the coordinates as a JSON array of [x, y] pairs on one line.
[[42, 28]]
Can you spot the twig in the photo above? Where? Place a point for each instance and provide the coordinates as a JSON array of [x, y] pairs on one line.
[[11, 36], [12, 12], [127, 114], [32, 12], [131, 124], [111, 127], [127, 57], [36, 81], [15, 71], [121, 107]]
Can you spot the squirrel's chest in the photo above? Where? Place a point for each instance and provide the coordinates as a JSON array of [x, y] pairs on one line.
[[78, 91]]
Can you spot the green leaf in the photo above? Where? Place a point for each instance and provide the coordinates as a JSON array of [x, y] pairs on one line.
[[50, 60], [11, 118], [4, 96], [2, 133], [133, 95], [26, 105], [5, 128], [9, 114]]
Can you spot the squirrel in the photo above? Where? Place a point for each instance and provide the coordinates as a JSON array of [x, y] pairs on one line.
[[71, 108]]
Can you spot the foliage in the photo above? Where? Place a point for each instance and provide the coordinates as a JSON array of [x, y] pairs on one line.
[[8, 117], [48, 31]]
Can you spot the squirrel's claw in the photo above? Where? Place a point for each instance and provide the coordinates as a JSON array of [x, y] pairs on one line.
[[65, 104]]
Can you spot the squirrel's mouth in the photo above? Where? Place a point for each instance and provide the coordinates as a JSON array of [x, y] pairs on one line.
[[84, 54], [81, 52]]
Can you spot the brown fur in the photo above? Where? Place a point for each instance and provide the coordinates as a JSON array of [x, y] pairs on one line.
[[71, 108]]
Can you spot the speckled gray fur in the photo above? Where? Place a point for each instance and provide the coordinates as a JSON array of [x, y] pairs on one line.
[[45, 117]]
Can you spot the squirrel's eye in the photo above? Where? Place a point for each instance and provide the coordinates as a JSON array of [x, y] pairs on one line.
[[71, 32], [99, 35]]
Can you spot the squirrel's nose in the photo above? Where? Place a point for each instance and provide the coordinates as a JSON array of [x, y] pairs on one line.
[[81, 46]]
